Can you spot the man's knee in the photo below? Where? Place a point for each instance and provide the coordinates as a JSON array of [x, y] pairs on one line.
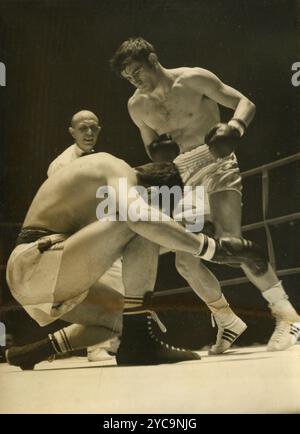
[[114, 304]]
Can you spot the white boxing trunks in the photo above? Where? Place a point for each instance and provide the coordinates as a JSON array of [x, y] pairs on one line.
[[32, 275], [199, 167]]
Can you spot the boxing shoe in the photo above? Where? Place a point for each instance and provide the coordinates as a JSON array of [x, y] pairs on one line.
[[296, 327], [284, 336], [227, 335], [27, 356], [285, 333], [283, 310], [279, 304], [230, 326], [140, 305], [140, 345]]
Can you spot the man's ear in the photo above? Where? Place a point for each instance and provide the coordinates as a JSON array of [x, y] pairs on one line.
[[71, 131], [152, 59]]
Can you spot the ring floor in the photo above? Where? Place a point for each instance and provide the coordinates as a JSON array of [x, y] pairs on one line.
[[244, 380]]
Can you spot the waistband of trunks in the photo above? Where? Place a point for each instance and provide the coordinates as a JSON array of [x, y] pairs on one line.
[[198, 155], [30, 235]]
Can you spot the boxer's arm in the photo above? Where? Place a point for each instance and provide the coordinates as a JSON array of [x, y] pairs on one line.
[[148, 135], [159, 148], [212, 87]]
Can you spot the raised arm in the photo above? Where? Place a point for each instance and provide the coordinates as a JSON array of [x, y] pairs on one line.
[[223, 138], [212, 87]]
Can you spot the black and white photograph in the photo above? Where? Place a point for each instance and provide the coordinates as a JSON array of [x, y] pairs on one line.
[[150, 209]]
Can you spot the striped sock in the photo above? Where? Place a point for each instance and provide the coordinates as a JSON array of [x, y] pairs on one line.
[[207, 248], [131, 303], [60, 341]]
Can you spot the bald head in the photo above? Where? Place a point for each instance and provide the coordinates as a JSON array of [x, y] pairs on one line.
[[85, 129], [83, 115]]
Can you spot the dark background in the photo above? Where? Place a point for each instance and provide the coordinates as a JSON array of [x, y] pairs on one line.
[[56, 54]]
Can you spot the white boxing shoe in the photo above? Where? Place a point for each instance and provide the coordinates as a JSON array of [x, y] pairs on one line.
[[284, 310], [227, 334], [230, 326], [284, 336]]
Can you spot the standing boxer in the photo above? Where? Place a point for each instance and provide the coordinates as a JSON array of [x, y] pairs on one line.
[[179, 107]]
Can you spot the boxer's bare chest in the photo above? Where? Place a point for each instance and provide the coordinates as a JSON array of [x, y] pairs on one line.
[[173, 110]]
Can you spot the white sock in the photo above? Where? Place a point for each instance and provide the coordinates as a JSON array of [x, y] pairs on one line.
[[275, 293]]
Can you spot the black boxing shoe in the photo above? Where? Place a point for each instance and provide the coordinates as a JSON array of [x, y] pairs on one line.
[[234, 250], [27, 356], [141, 346]]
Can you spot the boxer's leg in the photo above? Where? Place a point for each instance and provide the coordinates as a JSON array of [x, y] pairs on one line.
[[226, 213], [140, 261], [92, 324], [225, 207], [111, 298], [140, 344], [87, 255], [198, 276], [207, 287]]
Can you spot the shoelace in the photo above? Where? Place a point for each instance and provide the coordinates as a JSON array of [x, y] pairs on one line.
[[213, 321], [154, 316], [155, 338]]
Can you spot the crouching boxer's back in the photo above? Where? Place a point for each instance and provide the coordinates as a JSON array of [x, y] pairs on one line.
[[67, 201]]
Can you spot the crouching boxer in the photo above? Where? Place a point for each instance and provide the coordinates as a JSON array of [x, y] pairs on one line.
[[63, 249]]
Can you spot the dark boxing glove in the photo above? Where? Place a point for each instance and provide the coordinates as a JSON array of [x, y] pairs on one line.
[[163, 149], [223, 139], [241, 251]]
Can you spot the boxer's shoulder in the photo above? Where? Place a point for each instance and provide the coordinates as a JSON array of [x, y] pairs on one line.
[[195, 76], [137, 100]]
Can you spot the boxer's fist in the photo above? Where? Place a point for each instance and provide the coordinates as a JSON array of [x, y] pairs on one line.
[[222, 140], [163, 149], [241, 251]]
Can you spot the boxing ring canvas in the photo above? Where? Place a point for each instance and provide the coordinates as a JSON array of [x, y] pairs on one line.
[[54, 61]]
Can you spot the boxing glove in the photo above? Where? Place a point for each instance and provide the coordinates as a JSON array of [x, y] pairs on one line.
[[241, 251], [163, 149], [223, 138]]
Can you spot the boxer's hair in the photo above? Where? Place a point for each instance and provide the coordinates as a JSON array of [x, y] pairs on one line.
[[158, 174], [136, 48]]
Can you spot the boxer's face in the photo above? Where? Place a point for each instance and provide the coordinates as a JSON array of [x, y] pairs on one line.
[[142, 75], [85, 131]]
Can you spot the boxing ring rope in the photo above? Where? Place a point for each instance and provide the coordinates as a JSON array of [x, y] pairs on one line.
[[265, 223]]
